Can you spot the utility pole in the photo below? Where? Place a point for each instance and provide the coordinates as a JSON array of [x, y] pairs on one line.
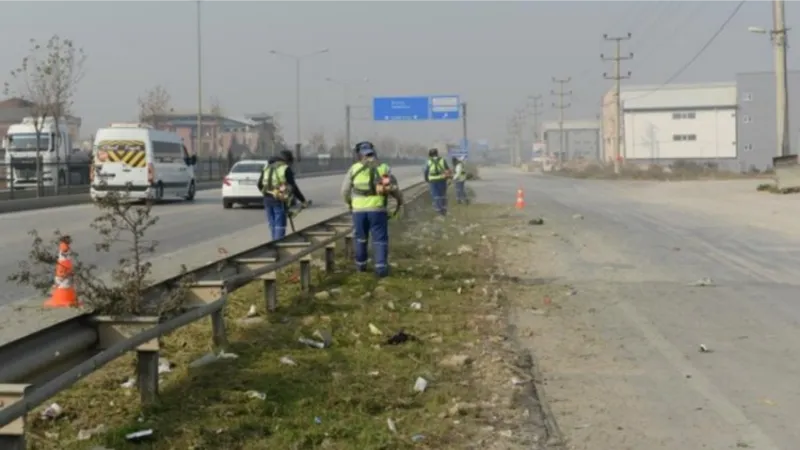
[[536, 104], [464, 127], [618, 77], [781, 82], [347, 144], [561, 107], [199, 149]]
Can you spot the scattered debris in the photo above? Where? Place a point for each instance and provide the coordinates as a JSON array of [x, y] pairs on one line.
[[416, 306], [130, 383], [256, 394], [417, 438], [536, 221], [390, 423], [704, 349], [375, 330], [52, 412], [325, 336], [454, 361], [139, 435], [287, 361], [322, 295], [225, 355], [317, 420], [420, 385], [400, 337], [252, 312], [85, 435], [311, 342], [703, 282], [464, 249], [164, 366]]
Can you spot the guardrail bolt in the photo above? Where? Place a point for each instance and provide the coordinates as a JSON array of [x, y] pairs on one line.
[[271, 294]]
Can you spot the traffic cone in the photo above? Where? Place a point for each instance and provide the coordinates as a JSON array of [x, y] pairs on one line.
[[520, 199], [63, 295]]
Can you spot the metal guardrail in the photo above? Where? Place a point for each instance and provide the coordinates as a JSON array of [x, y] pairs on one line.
[[53, 359]]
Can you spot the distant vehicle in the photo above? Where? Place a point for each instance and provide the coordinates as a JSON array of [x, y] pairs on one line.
[[240, 186], [149, 164], [59, 159]]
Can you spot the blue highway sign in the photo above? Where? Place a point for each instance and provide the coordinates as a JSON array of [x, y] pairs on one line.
[[401, 108], [437, 107], [445, 107]]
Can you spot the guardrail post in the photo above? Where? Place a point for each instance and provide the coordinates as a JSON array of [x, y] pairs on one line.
[[305, 275], [113, 330], [218, 336], [147, 371], [330, 258], [12, 436], [348, 247], [271, 294]]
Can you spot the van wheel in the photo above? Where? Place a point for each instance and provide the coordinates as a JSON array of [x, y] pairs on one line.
[[227, 205], [191, 192]]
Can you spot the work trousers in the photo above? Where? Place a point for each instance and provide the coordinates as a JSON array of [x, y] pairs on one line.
[[373, 224], [461, 192], [439, 195], [276, 217]]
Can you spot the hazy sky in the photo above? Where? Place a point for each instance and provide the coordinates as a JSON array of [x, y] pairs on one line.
[[493, 54]]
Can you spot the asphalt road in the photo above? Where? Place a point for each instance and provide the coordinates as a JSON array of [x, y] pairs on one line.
[[639, 380], [188, 233]]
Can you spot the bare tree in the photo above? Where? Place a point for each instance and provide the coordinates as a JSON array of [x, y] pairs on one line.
[[120, 222], [155, 103], [317, 142]]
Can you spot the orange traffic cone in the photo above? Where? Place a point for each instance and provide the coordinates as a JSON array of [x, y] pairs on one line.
[[63, 295], [520, 199]]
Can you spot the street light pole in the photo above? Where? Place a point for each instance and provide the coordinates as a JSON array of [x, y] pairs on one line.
[[199, 147], [297, 60]]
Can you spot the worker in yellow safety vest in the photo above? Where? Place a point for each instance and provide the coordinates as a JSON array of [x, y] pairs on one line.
[[277, 184], [436, 174], [460, 180], [366, 188]]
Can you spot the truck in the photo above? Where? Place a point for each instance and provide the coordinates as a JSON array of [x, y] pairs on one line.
[[60, 162]]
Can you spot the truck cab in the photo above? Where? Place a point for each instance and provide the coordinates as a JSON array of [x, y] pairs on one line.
[[59, 162]]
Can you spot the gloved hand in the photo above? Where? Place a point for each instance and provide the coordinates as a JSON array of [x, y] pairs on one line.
[[306, 203]]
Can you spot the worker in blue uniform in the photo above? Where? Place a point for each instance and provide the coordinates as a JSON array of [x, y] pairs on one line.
[[277, 184], [365, 189], [436, 174]]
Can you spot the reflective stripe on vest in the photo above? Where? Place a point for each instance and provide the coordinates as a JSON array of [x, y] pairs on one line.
[[435, 169], [363, 178]]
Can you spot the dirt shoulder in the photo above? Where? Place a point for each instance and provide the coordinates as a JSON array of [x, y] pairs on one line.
[[423, 359]]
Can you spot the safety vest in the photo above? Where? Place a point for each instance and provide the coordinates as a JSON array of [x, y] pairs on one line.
[[369, 185], [274, 182], [437, 169], [462, 176]]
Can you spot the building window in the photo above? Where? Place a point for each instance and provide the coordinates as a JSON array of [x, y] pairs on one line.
[[684, 137], [747, 119], [748, 147], [747, 97], [684, 115]]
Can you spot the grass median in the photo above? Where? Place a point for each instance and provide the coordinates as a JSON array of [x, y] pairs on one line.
[[421, 359]]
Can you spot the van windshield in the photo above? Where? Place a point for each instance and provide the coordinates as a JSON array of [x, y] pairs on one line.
[[248, 168], [27, 142]]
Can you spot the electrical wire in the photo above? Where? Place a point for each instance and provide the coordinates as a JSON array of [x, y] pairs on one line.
[[696, 56]]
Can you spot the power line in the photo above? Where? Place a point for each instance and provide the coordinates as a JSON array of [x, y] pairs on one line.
[[561, 107], [617, 77], [697, 55]]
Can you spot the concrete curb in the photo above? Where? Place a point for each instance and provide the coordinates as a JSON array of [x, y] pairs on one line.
[[30, 204]]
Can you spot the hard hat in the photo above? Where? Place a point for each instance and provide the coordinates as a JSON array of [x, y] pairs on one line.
[[287, 156], [364, 148], [433, 152]]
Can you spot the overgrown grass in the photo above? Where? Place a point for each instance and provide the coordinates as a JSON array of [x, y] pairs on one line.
[[679, 172], [344, 396]]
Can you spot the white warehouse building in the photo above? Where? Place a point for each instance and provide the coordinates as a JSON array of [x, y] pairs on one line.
[[674, 122]]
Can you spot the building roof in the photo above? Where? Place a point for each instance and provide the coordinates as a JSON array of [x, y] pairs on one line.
[[678, 96], [551, 125]]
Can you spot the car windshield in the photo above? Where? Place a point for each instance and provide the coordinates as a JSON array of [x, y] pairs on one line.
[[27, 141], [248, 168]]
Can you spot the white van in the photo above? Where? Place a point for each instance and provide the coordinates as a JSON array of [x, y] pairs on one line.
[[149, 164]]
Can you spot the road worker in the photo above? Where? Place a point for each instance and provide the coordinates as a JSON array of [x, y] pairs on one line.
[[366, 189], [281, 193], [460, 180], [436, 174]]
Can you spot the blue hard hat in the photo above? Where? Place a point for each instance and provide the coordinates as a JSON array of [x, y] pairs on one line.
[[365, 148]]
